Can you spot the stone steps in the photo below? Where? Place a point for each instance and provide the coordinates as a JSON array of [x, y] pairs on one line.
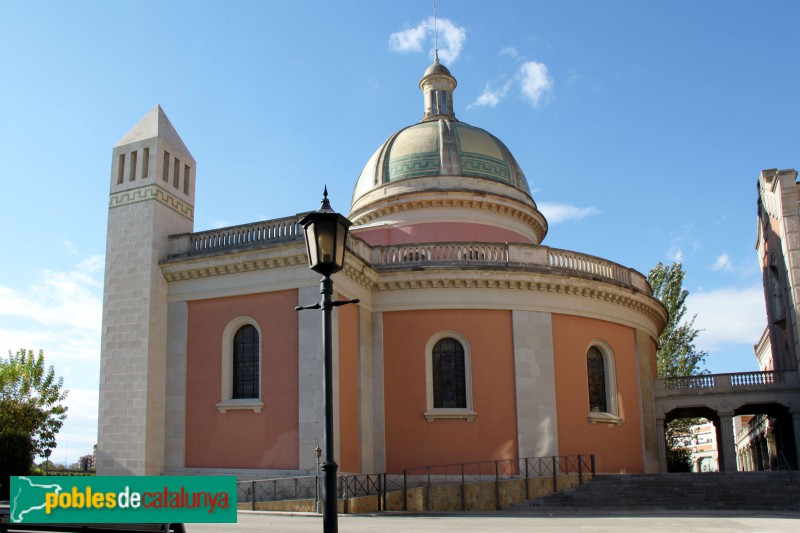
[[768, 491]]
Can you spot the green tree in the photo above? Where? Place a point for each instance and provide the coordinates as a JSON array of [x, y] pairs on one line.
[[677, 355], [31, 398]]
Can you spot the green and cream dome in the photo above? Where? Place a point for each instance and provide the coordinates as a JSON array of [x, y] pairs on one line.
[[441, 153], [442, 147]]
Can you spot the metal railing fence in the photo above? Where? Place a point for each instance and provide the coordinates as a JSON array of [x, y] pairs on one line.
[[358, 485]]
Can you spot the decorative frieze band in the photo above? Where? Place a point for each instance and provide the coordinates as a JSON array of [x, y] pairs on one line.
[[151, 192]]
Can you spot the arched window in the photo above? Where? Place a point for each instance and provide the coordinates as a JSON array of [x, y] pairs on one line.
[[245, 363], [597, 380], [448, 377], [241, 366], [602, 383]]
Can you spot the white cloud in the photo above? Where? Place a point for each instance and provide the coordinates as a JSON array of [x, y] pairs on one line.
[[676, 254], [59, 298], [451, 38], [557, 212], [70, 247], [535, 81], [60, 313], [728, 315], [681, 242], [723, 262], [64, 346], [491, 97], [509, 51]]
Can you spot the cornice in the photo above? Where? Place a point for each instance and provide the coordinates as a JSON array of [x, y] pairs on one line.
[[501, 278], [290, 255], [413, 277]]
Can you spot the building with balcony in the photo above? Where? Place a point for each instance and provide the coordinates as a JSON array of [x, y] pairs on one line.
[[472, 341]]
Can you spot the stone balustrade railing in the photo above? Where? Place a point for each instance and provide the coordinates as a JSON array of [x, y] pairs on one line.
[[441, 253], [225, 239], [557, 260], [588, 264], [706, 383], [287, 229]]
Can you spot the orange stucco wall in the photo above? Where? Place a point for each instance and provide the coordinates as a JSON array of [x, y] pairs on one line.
[[439, 232], [349, 435], [411, 441], [617, 448], [243, 439]]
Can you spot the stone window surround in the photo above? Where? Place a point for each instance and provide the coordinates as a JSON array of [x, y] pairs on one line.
[[432, 413], [228, 403], [611, 415]]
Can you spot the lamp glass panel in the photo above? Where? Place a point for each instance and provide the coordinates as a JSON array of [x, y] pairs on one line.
[[326, 241], [311, 240], [341, 237]]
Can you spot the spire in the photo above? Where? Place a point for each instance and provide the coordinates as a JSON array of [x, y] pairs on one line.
[[154, 124], [435, 35]]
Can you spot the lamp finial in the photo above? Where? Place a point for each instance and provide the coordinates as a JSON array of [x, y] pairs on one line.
[[325, 204]]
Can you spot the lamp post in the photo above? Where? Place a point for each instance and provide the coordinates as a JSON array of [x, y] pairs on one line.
[[326, 233], [47, 453], [317, 453]]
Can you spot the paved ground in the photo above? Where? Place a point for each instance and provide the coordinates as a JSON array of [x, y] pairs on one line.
[[666, 522]]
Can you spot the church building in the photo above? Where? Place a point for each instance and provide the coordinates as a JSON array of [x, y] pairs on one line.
[[472, 341]]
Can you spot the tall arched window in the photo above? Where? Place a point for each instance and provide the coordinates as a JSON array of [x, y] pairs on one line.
[[596, 368], [448, 362], [449, 375], [240, 385], [245, 363], [602, 383]]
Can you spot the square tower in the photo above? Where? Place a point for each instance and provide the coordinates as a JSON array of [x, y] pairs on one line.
[[152, 197]]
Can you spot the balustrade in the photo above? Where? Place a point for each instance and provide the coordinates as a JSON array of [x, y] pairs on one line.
[[588, 264], [744, 379], [724, 381], [444, 252], [490, 254], [282, 229], [704, 381]]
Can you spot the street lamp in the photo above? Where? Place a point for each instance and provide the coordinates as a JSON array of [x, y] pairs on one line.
[[317, 453], [326, 234], [47, 453]]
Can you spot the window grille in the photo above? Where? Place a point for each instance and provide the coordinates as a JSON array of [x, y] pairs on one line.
[[597, 380], [245, 363], [449, 375]]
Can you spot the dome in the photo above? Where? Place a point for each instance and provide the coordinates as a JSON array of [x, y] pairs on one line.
[[444, 171], [437, 68], [442, 147]]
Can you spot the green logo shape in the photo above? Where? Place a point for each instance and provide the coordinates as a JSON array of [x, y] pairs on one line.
[[122, 499]]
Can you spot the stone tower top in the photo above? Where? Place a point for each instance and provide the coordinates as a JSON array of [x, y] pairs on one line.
[[154, 124], [151, 161]]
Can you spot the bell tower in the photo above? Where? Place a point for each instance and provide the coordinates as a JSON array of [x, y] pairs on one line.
[[152, 197]]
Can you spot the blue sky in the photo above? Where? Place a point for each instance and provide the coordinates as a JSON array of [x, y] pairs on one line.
[[641, 127]]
